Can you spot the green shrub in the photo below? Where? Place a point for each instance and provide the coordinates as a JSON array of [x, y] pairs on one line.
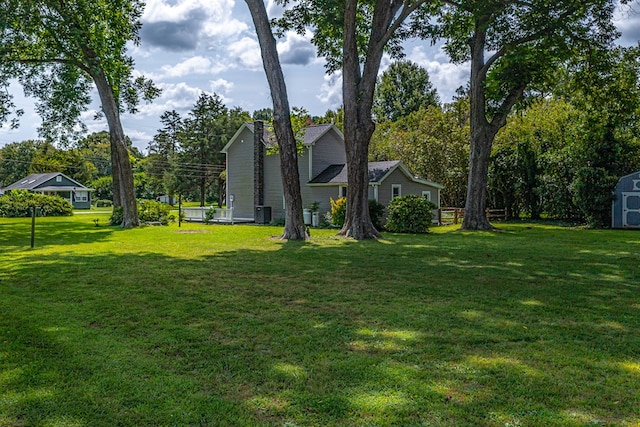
[[592, 194], [409, 214], [117, 216], [338, 211], [376, 212], [150, 210], [17, 203], [104, 203], [209, 215]]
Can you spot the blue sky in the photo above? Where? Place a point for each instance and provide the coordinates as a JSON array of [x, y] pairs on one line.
[[190, 46]]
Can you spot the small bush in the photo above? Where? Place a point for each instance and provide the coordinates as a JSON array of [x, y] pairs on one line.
[[376, 212], [17, 204], [409, 214], [278, 222], [209, 215], [150, 210], [117, 216], [338, 211], [103, 203]]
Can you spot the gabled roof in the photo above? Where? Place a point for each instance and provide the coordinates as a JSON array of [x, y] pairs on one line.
[[378, 171], [311, 136], [34, 181]]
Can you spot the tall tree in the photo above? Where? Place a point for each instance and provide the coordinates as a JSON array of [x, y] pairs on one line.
[[58, 50], [402, 89], [205, 132], [294, 228], [433, 143], [161, 151], [15, 161], [512, 46], [353, 35]]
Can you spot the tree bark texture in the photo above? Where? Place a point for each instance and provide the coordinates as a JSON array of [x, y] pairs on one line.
[[294, 228], [122, 170], [475, 217], [357, 94]]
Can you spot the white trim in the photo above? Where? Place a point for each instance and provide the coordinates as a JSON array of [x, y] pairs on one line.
[[394, 187], [342, 191], [407, 173], [625, 209], [235, 136], [310, 162], [332, 126], [376, 195]]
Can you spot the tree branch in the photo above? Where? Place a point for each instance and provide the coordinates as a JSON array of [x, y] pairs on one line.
[[500, 118], [531, 37]]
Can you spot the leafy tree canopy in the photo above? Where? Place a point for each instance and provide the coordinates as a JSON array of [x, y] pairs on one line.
[[401, 90]]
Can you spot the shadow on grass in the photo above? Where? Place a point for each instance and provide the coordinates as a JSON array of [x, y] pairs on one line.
[[15, 233], [445, 330]]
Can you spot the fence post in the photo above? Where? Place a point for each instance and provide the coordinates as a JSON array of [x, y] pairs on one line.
[[33, 226]]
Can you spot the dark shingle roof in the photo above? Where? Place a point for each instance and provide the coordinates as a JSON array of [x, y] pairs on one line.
[[311, 135], [36, 180], [334, 174], [337, 174], [31, 182]]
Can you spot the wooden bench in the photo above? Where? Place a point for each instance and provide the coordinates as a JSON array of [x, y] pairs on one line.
[[153, 223]]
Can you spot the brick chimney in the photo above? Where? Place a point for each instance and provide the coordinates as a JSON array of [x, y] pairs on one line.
[[258, 163]]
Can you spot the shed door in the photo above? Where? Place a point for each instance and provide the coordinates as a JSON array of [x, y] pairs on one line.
[[631, 210]]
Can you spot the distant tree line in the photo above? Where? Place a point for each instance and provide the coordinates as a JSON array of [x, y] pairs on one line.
[[558, 156]]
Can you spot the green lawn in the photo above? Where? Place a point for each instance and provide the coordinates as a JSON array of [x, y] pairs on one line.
[[218, 325]]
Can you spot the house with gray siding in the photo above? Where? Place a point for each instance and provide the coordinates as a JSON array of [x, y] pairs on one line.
[[55, 184], [253, 175]]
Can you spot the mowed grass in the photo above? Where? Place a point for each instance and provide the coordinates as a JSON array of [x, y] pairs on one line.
[[217, 325]]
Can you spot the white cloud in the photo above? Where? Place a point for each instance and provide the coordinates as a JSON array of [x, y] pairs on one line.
[[445, 76], [221, 85], [297, 49], [194, 65], [331, 90], [183, 25], [175, 96], [246, 52]]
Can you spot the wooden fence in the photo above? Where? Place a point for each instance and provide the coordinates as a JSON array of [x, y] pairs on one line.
[[456, 215]]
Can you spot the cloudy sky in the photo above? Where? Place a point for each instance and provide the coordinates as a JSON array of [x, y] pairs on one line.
[[191, 46]]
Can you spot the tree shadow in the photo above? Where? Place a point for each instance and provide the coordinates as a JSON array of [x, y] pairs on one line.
[[312, 334], [15, 233]]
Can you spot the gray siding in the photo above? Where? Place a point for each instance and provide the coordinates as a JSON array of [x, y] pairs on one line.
[[408, 187], [240, 175], [328, 151], [53, 183], [322, 195], [273, 193]]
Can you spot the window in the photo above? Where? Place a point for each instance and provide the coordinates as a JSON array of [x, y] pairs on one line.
[[59, 178], [342, 191], [396, 190], [426, 194]]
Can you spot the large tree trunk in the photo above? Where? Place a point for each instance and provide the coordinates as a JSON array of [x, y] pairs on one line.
[[475, 217], [483, 131], [357, 95], [294, 228], [115, 173], [124, 189]]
